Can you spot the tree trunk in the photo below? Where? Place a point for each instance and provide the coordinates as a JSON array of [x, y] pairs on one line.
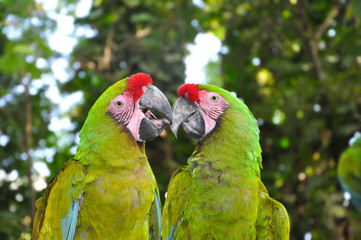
[[28, 138]]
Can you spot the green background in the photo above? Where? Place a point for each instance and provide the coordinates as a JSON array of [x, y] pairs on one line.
[[305, 93]]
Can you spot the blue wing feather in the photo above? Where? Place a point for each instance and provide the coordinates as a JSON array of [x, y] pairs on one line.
[[68, 223], [175, 229], [159, 214], [155, 218]]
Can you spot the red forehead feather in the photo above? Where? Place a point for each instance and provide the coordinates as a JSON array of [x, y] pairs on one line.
[[190, 91], [135, 84]]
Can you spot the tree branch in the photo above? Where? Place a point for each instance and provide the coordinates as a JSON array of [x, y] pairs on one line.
[[104, 62], [311, 41], [322, 28], [28, 138]]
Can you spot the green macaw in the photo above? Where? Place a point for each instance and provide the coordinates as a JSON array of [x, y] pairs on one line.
[[219, 194], [349, 170], [108, 190]]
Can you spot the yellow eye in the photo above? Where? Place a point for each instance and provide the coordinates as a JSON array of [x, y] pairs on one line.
[[119, 104], [214, 98]]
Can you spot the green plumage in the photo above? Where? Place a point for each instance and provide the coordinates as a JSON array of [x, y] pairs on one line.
[[109, 178], [219, 195], [349, 171]]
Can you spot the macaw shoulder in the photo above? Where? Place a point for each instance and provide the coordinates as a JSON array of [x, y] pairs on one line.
[[177, 196], [180, 182], [272, 218], [65, 188], [70, 177]]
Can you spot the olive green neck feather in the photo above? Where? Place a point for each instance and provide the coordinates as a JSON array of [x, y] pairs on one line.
[[235, 139], [103, 140]]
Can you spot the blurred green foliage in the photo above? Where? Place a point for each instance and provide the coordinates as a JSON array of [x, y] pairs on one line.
[[296, 64]]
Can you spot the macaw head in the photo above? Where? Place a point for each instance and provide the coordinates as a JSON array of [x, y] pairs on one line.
[[218, 119], [128, 103], [198, 110]]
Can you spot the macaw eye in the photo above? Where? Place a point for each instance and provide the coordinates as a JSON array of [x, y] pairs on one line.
[[214, 98], [119, 104]]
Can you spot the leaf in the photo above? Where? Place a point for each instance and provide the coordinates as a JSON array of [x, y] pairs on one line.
[[350, 56], [23, 49]]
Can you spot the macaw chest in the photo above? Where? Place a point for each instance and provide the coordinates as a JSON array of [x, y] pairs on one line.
[[119, 199], [224, 198]]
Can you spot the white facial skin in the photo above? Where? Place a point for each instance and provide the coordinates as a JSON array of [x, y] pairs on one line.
[[121, 108], [212, 106], [125, 112]]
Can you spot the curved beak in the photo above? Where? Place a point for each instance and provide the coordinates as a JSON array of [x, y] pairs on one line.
[[153, 99], [187, 114]]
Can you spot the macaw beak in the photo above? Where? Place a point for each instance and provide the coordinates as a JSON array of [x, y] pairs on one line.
[[187, 114], [153, 99]]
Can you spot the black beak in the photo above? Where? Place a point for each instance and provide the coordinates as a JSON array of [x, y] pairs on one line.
[[153, 99], [187, 114]]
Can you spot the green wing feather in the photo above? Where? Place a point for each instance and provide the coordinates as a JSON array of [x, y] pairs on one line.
[[155, 218], [63, 191], [178, 193], [272, 218]]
